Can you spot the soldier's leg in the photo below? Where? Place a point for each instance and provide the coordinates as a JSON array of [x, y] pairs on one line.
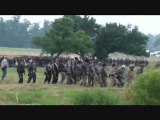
[[92, 81], [89, 80], [99, 79], [81, 82], [74, 78], [103, 82], [49, 77], [78, 78], [85, 79], [3, 73], [46, 78], [55, 78], [34, 78], [63, 76], [20, 78], [67, 81], [121, 83], [29, 78], [112, 81], [70, 80]]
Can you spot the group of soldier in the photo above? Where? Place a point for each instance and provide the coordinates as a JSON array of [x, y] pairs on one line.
[[41, 61], [89, 72]]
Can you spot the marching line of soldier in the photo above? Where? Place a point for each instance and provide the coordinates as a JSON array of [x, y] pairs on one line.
[[90, 73], [86, 73]]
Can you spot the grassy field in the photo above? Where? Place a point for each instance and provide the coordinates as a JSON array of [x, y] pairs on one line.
[[12, 93], [19, 51]]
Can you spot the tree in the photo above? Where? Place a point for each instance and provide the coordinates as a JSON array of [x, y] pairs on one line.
[[58, 39], [82, 44], [86, 23], [118, 38], [137, 43]]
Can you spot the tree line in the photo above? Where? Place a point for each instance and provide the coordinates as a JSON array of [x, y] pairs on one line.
[[14, 33], [83, 36]]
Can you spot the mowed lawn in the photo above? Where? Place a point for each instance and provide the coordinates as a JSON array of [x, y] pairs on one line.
[[12, 93]]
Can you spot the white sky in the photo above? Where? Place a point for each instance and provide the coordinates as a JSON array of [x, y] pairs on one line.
[[146, 23]]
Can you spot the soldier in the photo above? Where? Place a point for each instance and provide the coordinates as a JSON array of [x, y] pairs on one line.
[[4, 65], [48, 72], [91, 74], [103, 82], [20, 71], [68, 72], [131, 74], [78, 71], [98, 72], [85, 68], [120, 76], [113, 75], [55, 71], [140, 70], [73, 70], [62, 71], [32, 72]]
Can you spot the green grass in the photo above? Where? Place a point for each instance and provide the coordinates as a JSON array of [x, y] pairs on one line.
[[45, 94], [19, 49], [12, 93]]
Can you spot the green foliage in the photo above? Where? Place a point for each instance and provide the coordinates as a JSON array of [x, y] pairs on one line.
[[97, 97], [82, 44], [62, 38], [119, 38], [85, 23], [146, 89], [58, 39]]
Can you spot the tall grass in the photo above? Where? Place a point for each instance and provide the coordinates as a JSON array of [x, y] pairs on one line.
[[97, 97]]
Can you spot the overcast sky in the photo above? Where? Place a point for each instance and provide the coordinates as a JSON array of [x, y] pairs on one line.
[[146, 23]]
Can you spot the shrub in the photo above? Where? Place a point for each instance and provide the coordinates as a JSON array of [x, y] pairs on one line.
[[146, 88]]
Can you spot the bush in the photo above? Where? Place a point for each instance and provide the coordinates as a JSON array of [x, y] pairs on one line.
[[146, 88], [97, 97]]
